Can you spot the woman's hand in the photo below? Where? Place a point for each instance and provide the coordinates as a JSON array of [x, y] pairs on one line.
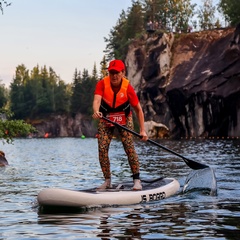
[[97, 115], [144, 136]]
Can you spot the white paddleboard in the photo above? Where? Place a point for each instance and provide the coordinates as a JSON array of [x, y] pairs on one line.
[[122, 194]]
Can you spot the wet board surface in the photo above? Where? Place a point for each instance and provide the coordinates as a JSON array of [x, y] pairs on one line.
[[120, 194]]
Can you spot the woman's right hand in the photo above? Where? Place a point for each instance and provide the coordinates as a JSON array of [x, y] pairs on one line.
[[97, 115]]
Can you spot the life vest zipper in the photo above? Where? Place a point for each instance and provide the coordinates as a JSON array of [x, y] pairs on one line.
[[114, 99]]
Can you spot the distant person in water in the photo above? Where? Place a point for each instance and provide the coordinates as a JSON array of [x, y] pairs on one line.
[[3, 160], [113, 98]]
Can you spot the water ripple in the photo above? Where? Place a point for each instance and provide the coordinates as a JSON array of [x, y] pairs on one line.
[[72, 163]]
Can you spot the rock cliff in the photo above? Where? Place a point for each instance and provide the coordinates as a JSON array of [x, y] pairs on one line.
[[189, 82], [188, 85], [65, 126]]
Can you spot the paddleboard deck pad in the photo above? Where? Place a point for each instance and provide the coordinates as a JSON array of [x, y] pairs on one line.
[[119, 194]]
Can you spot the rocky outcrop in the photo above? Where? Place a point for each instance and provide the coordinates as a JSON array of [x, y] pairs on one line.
[[65, 126], [188, 85], [190, 82], [156, 130], [3, 160]]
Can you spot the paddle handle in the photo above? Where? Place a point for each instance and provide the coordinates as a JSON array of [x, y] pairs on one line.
[[192, 164], [140, 136]]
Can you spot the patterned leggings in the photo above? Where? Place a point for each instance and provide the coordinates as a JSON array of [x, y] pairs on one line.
[[105, 136]]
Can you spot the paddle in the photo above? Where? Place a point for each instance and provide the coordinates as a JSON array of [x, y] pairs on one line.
[[192, 164]]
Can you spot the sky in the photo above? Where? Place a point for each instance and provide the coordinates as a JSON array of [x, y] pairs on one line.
[[62, 34]]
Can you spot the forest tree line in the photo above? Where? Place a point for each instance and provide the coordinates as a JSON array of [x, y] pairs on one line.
[[41, 92], [168, 15]]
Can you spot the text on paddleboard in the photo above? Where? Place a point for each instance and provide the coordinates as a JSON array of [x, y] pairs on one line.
[[153, 197]]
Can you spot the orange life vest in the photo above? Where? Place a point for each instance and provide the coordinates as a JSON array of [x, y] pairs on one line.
[[115, 102]]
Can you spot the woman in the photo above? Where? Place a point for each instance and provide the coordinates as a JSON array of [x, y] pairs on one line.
[[113, 98]]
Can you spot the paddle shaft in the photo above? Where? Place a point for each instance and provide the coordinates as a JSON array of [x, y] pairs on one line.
[[192, 164]]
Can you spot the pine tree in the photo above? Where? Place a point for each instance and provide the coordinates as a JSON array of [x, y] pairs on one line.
[[94, 72], [3, 95], [230, 10], [17, 98], [206, 15], [76, 91]]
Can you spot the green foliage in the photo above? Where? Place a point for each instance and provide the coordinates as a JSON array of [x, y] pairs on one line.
[[62, 97], [41, 92], [171, 14], [231, 10], [94, 72], [3, 95], [13, 128], [103, 71], [206, 15], [83, 91], [128, 26], [166, 15], [114, 42]]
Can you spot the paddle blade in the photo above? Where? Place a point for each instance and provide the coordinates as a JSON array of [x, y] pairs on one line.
[[194, 165]]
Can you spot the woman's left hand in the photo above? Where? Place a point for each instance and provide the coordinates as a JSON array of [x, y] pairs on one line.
[[144, 136]]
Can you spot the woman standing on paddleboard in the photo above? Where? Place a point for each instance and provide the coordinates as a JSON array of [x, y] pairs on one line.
[[113, 98]]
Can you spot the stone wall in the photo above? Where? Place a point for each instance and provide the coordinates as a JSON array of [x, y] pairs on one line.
[[189, 82], [65, 126]]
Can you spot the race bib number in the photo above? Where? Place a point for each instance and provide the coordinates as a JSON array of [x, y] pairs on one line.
[[118, 117]]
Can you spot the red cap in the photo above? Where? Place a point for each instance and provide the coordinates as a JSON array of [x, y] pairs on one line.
[[116, 65]]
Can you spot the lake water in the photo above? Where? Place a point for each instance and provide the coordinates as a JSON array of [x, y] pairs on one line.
[[36, 164]]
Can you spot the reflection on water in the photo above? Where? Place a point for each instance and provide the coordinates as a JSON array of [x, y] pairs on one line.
[[71, 163], [192, 220]]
